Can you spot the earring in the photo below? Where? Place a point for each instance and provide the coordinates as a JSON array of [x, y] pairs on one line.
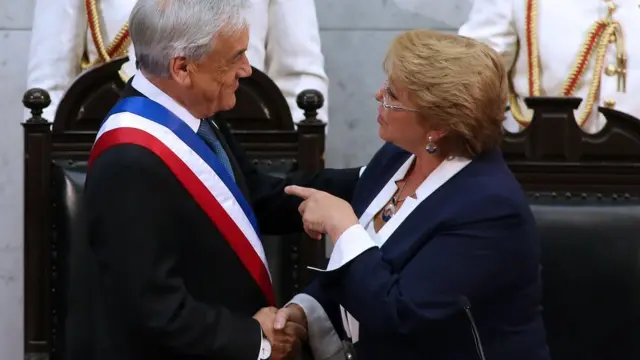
[[431, 146]]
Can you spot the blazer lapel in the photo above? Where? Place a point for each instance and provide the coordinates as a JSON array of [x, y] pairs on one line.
[[426, 194], [387, 191]]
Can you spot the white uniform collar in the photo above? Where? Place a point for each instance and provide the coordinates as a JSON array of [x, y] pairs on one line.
[[144, 86]]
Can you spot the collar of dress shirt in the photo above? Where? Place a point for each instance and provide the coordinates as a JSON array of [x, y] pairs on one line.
[[144, 86]]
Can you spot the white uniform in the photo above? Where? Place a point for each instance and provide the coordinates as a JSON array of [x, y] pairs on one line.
[[559, 32], [284, 43]]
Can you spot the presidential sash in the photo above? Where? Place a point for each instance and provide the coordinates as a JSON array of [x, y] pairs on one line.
[[143, 122]]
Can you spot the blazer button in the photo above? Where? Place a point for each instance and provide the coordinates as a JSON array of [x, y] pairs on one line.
[[611, 70], [610, 103]]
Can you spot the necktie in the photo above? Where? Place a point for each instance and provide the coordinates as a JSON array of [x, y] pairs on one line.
[[206, 133]]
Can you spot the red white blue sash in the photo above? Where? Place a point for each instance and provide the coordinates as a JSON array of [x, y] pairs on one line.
[[143, 122]]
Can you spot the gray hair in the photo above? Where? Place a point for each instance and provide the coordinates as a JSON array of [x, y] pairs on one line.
[[163, 29]]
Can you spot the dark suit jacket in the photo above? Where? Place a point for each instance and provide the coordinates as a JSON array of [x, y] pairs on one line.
[[168, 285], [471, 243]]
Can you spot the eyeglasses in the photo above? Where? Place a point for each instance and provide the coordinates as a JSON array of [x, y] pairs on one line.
[[385, 101]]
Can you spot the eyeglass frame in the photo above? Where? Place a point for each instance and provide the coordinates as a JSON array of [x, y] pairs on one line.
[[385, 101]]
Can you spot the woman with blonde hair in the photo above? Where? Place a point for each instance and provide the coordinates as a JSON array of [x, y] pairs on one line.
[[437, 255]]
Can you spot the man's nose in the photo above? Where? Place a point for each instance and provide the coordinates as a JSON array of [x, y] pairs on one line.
[[245, 70]]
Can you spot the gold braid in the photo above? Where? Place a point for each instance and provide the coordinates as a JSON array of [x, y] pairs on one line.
[[597, 40], [118, 46]]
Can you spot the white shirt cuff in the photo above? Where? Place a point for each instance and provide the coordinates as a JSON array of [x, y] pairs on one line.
[[362, 170], [353, 242], [265, 346]]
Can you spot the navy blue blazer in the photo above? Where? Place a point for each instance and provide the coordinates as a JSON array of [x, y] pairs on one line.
[[460, 276]]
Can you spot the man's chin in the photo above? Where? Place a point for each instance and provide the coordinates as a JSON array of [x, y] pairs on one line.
[[228, 105]]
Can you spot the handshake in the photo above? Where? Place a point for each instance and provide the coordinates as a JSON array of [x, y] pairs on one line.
[[286, 329]]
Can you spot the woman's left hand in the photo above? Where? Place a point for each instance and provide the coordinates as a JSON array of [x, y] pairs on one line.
[[323, 213]]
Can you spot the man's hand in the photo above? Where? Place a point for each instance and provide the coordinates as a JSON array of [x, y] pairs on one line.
[[286, 339], [290, 313], [323, 213], [290, 329], [266, 317]]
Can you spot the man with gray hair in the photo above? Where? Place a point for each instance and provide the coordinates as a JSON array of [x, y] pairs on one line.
[[174, 207]]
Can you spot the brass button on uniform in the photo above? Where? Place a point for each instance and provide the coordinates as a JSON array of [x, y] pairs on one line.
[[611, 70], [610, 103]]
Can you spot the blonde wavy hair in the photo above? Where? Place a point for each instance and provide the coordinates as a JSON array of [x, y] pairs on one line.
[[458, 84]]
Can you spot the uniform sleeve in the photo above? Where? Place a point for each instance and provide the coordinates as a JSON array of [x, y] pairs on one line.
[[294, 57], [492, 22], [57, 44]]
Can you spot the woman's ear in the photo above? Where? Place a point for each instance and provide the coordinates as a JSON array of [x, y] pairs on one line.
[[436, 135]]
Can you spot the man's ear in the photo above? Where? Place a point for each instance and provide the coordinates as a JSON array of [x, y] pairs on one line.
[[179, 70]]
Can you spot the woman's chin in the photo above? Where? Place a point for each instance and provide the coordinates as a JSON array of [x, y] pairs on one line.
[[382, 133]]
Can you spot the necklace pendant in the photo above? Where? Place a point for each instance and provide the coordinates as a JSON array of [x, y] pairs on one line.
[[388, 212]]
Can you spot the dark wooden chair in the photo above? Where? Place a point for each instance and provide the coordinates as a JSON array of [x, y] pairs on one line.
[[55, 166], [585, 195]]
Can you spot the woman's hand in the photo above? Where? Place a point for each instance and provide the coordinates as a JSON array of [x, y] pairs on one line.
[[323, 213]]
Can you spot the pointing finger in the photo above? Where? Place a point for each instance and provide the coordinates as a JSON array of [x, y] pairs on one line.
[[299, 191]]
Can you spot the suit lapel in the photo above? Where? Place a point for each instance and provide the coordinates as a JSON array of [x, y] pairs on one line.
[[237, 170], [129, 91]]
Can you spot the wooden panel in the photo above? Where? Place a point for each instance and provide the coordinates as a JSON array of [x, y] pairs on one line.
[[554, 154]]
